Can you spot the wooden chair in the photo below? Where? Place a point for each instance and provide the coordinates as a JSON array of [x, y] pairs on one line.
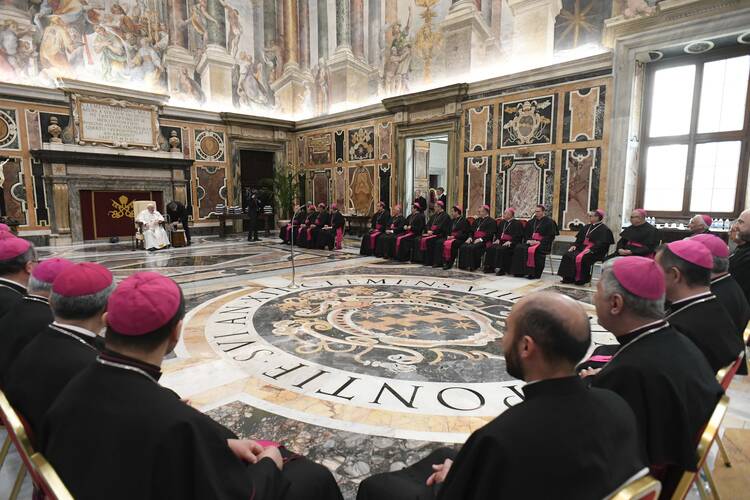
[[17, 434], [707, 438], [640, 487]]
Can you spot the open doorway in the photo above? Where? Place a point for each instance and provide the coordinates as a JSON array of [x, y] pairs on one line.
[[256, 172], [426, 169]]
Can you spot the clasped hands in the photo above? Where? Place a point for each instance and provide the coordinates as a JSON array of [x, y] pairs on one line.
[[441, 471], [252, 452], [622, 251], [532, 242]]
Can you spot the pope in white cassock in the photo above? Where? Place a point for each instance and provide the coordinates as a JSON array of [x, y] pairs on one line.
[[154, 235]]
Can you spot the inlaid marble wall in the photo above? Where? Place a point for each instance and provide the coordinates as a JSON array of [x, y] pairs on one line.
[[357, 160], [544, 146], [29, 196]]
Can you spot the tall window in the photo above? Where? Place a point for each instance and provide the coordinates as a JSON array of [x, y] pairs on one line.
[[695, 142]]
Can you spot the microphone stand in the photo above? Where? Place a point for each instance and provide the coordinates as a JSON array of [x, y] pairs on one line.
[[293, 284]]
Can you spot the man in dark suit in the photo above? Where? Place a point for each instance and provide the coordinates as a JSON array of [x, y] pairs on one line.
[[179, 213], [565, 440]]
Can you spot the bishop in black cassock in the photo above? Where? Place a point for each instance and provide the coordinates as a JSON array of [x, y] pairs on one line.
[[332, 235], [31, 315], [592, 244], [67, 346], [311, 233], [725, 288], [694, 310], [500, 254], [739, 261], [301, 237], [285, 233], [483, 231], [115, 433], [17, 258], [640, 238], [438, 227], [386, 243], [404, 243], [529, 257], [378, 224], [661, 374], [564, 440], [446, 248]]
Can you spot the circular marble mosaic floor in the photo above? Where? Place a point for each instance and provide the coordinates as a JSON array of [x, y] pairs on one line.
[[404, 356]]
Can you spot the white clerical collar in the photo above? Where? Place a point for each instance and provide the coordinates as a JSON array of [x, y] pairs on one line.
[[646, 326], [691, 298], [721, 277], [13, 283], [74, 328]]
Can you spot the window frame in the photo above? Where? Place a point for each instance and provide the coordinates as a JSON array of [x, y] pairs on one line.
[[693, 137]]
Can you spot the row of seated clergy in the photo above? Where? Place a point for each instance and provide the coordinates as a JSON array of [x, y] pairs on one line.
[[446, 236], [95, 409], [311, 228]]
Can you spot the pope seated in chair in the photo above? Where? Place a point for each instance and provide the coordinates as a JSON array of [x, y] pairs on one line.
[[154, 234]]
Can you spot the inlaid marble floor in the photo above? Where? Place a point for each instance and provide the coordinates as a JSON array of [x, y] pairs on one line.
[[361, 364]]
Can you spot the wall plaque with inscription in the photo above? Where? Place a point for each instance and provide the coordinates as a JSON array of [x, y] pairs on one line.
[[114, 123]]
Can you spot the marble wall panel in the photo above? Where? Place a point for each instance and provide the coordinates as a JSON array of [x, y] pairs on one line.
[[385, 143], [14, 191], [583, 118], [319, 148], [528, 122], [579, 185], [212, 189], [339, 139], [33, 129], [301, 151], [320, 180], [477, 178], [478, 128], [385, 183], [361, 188], [209, 145], [525, 182], [340, 187]]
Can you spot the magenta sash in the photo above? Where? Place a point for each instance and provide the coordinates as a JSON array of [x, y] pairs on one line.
[[288, 231], [531, 252], [373, 236], [506, 237], [401, 237], [299, 232], [339, 238], [640, 245], [447, 246], [600, 359], [479, 234], [309, 233], [423, 241], [587, 245]]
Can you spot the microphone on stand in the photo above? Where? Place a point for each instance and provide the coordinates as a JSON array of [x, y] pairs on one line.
[[293, 284]]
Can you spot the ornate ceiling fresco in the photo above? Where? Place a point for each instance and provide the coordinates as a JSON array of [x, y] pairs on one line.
[[291, 58]]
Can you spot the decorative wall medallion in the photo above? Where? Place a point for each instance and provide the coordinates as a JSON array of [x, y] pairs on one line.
[[361, 144], [528, 121], [209, 145], [8, 129]]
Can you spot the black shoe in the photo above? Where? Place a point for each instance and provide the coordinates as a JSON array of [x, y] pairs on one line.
[[581, 283], [447, 266], [516, 275], [566, 281], [500, 272], [531, 277]]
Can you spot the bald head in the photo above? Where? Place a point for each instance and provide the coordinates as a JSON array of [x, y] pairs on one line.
[[557, 323], [742, 227]]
